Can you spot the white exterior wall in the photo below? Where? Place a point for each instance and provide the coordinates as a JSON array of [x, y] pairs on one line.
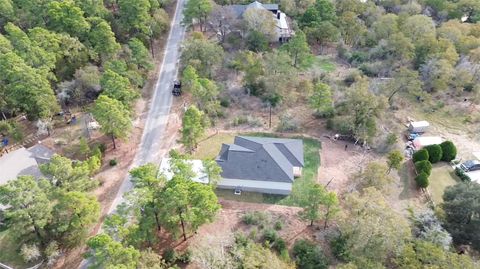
[[271, 187]]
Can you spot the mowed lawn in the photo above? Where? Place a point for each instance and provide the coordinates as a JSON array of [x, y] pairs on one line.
[[441, 177], [209, 148]]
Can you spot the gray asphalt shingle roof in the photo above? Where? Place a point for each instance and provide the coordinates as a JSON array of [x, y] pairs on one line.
[[240, 9], [261, 158], [23, 162]]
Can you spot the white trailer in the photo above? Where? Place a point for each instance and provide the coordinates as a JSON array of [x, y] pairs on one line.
[[418, 126], [423, 141]]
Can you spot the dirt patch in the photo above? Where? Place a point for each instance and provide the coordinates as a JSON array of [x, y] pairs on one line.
[[339, 163]]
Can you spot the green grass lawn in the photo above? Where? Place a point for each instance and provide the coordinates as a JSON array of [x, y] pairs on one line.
[[324, 64], [442, 176], [9, 251], [209, 148]]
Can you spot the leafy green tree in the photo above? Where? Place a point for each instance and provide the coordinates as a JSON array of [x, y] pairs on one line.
[[118, 87], [325, 33], [316, 200], [26, 89], [353, 29], [204, 55], [422, 180], [420, 155], [449, 151], [197, 10], [385, 26], [113, 118], [28, 207], [105, 252], [193, 127], [93, 8], [67, 175], [404, 81], [322, 11], [65, 16], [419, 28], [436, 75], [260, 20], [434, 153], [256, 41], [33, 55], [308, 255], [421, 254], [460, 203], [188, 203], [374, 175], [372, 232], [74, 213], [321, 99], [423, 166], [363, 108], [147, 187], [248, 254], [134, 16], [140, 55], [102, 38], [394, 160], [298, 50]]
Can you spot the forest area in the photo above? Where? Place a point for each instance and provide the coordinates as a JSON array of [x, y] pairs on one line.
[[350, 67]]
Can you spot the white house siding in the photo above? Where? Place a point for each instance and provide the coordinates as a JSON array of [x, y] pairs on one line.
[[271, 187]]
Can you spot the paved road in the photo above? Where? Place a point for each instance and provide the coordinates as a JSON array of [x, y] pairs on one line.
[[160, 104]]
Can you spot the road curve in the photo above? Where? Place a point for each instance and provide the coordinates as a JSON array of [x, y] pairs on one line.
[[160, 105]]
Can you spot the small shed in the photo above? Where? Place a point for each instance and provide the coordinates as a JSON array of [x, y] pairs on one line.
[[418, 126], [423, 141]]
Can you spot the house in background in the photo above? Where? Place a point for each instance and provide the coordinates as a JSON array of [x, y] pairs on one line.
[[282, 26], [261, 164], [23, 162], [197, 167]]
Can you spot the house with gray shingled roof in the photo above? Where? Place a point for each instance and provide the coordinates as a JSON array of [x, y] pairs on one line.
[[22, 162], [283, 29], [261, 164]]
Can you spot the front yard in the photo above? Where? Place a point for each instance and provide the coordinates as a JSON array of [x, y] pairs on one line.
[[210, 146], [441, 177]]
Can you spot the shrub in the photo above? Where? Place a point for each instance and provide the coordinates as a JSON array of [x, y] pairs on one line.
[[340, 248], [30, 252], [280, 245], [113, 162], [185, 257], [270, 235], [225, 102], [434, 153], [449, 151], [287, 123], [423, 166], [391, 139], [102, 147], [170, 255], [308, 255], [253, 218], [278, 225], [422, 180], [420, 155], [462, 175]]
